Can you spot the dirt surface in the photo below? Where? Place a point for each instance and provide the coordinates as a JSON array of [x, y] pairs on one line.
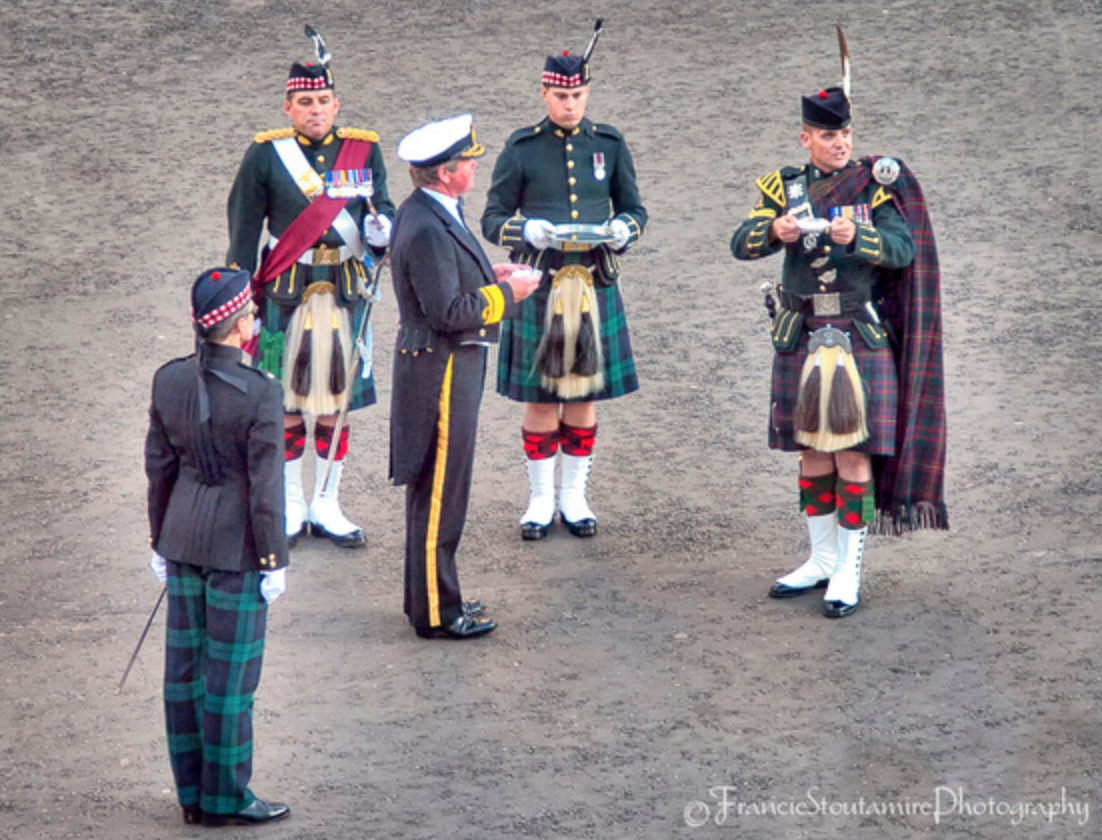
[[641, 676]]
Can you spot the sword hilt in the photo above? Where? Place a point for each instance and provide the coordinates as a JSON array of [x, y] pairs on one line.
[[770, 299]]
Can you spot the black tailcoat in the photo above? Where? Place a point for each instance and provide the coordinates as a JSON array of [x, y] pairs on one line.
[[446, 295], [449, 306]]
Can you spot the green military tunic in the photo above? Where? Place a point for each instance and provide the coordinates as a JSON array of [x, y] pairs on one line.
[[581, 176], [264, 192], [882, 241], [828, 284]]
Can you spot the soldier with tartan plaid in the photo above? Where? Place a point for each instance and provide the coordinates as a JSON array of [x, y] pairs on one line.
[[214, 461], [857, 377], [566, 170]]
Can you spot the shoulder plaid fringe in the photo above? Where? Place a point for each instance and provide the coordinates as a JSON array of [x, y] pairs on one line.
[[910, 485]]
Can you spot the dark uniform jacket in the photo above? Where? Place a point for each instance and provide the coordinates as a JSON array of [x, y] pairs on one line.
[[447, 296], [814, 266], [235, 524], [884, 243], [263, 189], [582, 176]]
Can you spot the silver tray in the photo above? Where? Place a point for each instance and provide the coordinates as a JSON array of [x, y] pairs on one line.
[[580, 237]]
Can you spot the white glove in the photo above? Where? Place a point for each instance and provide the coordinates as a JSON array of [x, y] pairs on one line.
[[621, 231], [273, 584], [537, 232], [159, 566], [377, 231]]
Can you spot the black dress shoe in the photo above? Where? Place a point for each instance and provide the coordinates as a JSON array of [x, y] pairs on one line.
[[464, 627], [355, 539], [259, 812], [470, 608], [533, 530], [839, 609], [473, 608], [781, 590], [192, 814], [581, 528], [293, 538]]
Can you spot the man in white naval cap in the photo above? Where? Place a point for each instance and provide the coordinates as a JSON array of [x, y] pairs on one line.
[[450, 303]]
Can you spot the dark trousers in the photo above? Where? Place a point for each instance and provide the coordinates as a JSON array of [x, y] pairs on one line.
[[213, 655], [436, 503]]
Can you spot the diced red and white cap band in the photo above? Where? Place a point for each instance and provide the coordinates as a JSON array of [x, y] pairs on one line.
[[559, 80], [225, 310], [303, 83], [309, 77]]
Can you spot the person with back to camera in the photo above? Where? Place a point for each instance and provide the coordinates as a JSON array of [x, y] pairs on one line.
[[214, 461]]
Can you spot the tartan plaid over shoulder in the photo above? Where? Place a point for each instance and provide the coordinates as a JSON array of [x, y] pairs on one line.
[[910, 485]]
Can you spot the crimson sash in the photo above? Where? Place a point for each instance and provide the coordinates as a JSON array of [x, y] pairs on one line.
[[309, 225]]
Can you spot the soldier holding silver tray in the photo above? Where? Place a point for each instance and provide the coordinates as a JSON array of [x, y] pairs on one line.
[[564, 199]]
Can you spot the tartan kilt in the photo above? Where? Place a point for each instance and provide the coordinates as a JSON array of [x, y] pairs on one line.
[[214, 651], [517, 377], [878, 373], [274, 326]]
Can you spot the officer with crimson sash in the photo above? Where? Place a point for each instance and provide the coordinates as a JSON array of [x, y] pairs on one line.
[[321, 191]]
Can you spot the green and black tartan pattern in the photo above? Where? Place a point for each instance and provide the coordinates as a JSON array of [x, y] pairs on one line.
[[274, 335], [213, 655], [517, 377]]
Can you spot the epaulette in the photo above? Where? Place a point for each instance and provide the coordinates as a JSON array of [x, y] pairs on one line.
[[262, 373], [358, 134], [274, 134], [607, 131], [177, 360], [772, 185], [525, 134]]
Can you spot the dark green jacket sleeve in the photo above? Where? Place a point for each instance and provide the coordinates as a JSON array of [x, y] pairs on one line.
[[502, 221], [247, 207], [751, 238]]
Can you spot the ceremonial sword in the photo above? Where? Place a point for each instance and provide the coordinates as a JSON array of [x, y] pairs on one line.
[[141, 641], [355, 357]]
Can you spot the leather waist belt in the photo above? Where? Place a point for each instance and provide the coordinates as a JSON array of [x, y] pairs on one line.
[[322, 255], [827, 303]]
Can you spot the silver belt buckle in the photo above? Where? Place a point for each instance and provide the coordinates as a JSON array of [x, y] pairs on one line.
[[826, 304]]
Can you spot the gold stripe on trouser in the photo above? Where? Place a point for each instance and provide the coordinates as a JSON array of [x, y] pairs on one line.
[[443, 419]]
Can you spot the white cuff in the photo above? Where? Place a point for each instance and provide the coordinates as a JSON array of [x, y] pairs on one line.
[[159, 566], [273, 584]]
